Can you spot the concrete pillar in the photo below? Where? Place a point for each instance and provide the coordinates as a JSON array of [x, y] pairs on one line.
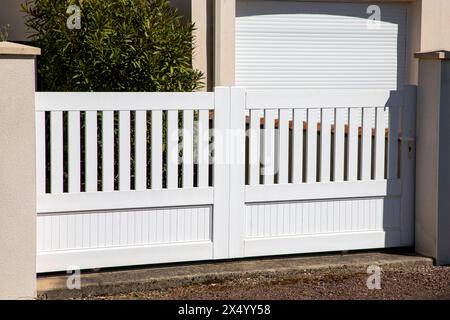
[[433, 157], [224, 55], [17, 172]]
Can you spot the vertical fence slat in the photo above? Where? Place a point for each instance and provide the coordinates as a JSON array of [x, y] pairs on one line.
[[339, 142], [108, 150], [311, 146], [40, 153], [254, 147], [269, 146], [141, 150], [297, 146], [172, 149], [91, 151], [188, 131], [156, 146], [74, 143], [352, 150], [56, 151], [283, 143], [124, 150], [394, 116], [203, 148], [366, 154], [325, 145], [380, 142]]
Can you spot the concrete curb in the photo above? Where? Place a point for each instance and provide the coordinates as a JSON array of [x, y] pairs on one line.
[[122, 281]]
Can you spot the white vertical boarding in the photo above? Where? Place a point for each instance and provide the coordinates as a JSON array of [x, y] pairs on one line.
[[408, 152], [141, 150], [124, 150], [366, 154], [269, 147], [339, 136], [325, 144], [157, 161], [74, 151], [40, 152], [56, 151], [283, 145], [297, 146], [221, 174], [172, 149], [311, 146], [380, 143], [108, 150], [237, 173], [203, 148], [394, 118], [188, 148], [254, 147], [91, 151], [352, 151]]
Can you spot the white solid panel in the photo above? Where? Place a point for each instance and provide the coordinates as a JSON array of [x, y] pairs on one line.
[[296, 44]]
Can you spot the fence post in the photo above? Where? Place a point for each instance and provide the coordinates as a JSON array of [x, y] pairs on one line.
[[433, 157], [17, 172], [237, 171], [221, 174]]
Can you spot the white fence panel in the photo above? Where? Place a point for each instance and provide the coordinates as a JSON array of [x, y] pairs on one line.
[[141, 178]]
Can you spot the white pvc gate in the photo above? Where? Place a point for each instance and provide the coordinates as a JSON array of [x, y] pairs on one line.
[[141, 178]]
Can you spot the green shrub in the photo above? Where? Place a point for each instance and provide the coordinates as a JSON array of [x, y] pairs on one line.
[[123, 45]]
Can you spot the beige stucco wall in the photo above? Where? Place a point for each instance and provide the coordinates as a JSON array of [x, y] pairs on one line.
[[17, 174]]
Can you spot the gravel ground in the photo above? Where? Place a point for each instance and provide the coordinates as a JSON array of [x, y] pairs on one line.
[[422, 282]]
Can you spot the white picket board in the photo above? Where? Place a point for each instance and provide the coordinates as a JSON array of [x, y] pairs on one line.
[[74, 150], [172, 149], [124, 150], [188, 148], [352, 151], [91, 150], [269, 147], [339, 136], [325, 144], [156, 145], [283, 146], [297, 146], [108, 151], [380, 143], [366, 145], [394, 118], [311, 145], [255, 147], [140, 150], [203, 148], [40, 153], [56, 151]]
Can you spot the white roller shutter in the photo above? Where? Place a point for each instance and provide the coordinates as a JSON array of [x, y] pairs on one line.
[[294, 44]]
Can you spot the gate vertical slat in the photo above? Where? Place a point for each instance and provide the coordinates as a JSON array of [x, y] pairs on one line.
[[56, 151], [297, 146], [255, 146], [40, 153], [108, 150], [339, 136], [269, 147], [124, 150], [283, 149], [74, 151], [394, 118], [141, 150], [380, 143], [352, 151], [325, 144], [203, 148], [366, 154], [91, 151], [172, 149], [157, 161], [188, 150], [311, 146]]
